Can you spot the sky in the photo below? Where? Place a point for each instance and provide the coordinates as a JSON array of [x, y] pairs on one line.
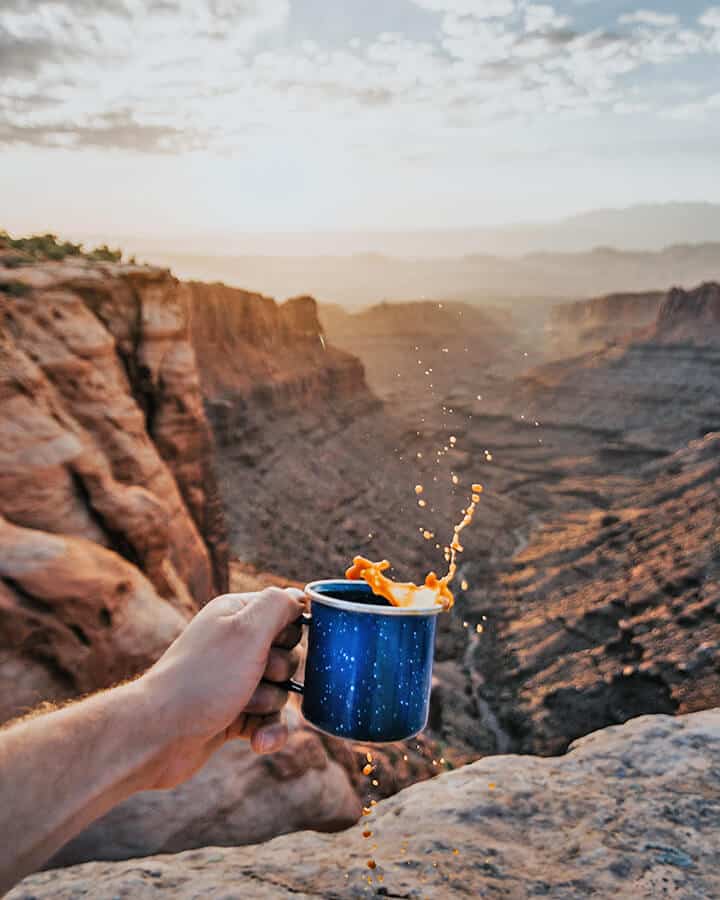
[[171, 117]]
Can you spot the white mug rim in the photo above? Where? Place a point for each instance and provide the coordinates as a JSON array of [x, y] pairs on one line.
[[316, 597]]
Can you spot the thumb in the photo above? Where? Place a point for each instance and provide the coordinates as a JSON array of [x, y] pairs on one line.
[[272, 610]]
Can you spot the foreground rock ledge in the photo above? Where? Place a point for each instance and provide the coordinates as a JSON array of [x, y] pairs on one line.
[[630, 811]]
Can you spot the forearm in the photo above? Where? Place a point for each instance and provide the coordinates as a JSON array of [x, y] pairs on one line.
[[60, 771]]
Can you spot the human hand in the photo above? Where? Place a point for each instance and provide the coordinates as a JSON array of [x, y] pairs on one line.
[[206, 689]]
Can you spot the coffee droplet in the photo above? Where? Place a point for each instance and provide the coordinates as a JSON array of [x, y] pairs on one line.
[[464, 585], [367, 770], [371, 864], [435, 590], [369, 757], [375, 782], [367, 833], [366, 811]]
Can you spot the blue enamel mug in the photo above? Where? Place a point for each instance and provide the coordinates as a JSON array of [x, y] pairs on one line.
[[369, 664]]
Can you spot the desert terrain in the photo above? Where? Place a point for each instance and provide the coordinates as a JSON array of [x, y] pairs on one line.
[[164, 439]]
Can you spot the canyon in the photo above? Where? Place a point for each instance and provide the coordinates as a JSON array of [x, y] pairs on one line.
[[112, 531], [164, 440]]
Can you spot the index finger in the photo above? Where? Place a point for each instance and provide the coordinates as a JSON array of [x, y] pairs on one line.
[[272, 610]]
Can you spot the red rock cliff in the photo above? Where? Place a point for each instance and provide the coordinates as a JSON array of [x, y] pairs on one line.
[[257, 357], [111, 532]]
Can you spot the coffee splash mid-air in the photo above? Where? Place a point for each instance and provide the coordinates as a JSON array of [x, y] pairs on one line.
[[435, 591]]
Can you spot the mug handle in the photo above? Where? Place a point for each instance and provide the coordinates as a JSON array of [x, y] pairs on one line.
[[291, 685]]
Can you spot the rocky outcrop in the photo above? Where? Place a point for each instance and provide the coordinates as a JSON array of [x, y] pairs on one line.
[[629, 812], [257, 357], [111, 531], [315, 782], [600, 320], [676, 317], [690, 316], [238, 798]]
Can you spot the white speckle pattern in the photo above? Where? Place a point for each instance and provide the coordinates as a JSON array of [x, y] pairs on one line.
[[368, 676]]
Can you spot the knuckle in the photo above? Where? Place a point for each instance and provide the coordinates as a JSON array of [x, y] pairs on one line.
[[274, 594]]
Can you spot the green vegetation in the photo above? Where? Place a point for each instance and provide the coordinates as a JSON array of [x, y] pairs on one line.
[[48, 247]]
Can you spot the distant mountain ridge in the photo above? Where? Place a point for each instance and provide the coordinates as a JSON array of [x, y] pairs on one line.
[[645, 227], [648, 227], [356, 281]]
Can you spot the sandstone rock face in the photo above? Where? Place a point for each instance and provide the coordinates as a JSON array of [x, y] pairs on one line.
[[111, 532], [315, 782], [77, 609], [632, 811], [256, 357], [575, 326], [690, 316]]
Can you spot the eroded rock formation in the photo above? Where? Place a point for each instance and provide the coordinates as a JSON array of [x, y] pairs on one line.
[[690, 316], [629, 812], [257, 357], [610, 613], [577, 326], [112, 532]]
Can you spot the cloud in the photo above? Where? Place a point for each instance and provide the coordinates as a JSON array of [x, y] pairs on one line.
[[697, 111], [711, 17], [117, 130], [649, 17], [478, 9], [542, 17], [25, 56], [100, 58], [171, 75]]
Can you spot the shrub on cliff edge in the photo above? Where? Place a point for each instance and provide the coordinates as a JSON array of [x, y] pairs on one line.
[[48, 247]]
